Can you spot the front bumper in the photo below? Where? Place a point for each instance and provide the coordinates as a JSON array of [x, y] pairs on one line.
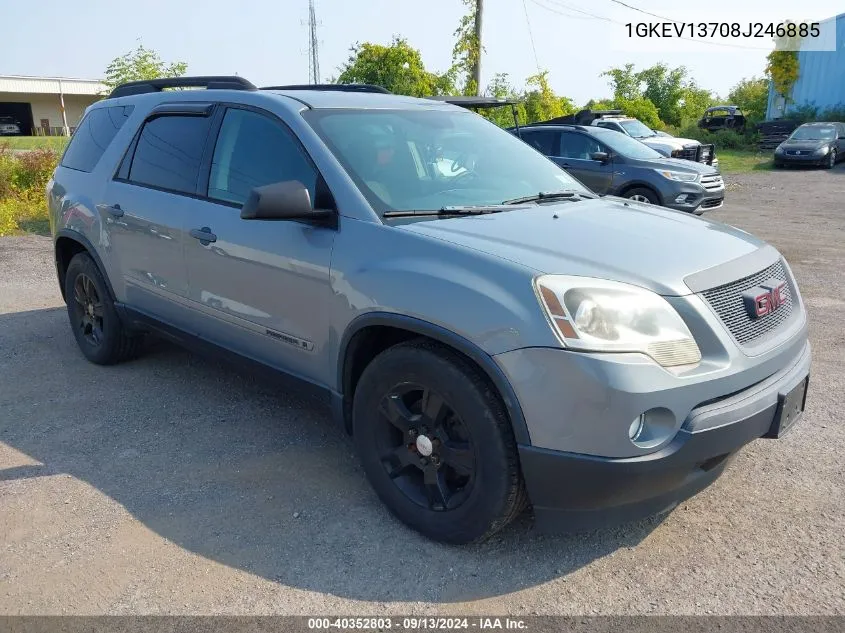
[[571, 491], [697, 199], [803, 159]]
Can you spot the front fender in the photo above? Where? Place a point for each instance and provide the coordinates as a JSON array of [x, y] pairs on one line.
[[484, 299]]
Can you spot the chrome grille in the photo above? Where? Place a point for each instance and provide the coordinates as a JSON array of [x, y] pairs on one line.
[[712, 182], [713, 203], [726, 301]]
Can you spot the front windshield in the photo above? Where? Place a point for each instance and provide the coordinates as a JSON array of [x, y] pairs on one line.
[[424, 160], [814, 133], [637, 129], [625, 145]]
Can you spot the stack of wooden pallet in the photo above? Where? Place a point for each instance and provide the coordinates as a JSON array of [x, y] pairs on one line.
[[773, 133]]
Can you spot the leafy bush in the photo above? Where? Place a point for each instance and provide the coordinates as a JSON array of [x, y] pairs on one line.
[[722, 139], [23, 177]]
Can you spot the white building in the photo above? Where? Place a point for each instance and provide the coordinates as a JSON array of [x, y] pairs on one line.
[[47, 105]]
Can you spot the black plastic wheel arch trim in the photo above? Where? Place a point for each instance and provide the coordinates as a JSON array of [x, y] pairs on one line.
[[447, 338], [83, 241]]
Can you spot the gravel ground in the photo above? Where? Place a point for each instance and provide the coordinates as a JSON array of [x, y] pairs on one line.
[[177, 485]]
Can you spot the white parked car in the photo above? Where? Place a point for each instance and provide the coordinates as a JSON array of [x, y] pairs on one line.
[[9, 127]]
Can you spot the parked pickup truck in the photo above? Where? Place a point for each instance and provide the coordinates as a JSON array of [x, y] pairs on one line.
[[669, 146]]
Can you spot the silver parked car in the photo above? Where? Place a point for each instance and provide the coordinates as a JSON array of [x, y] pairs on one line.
[[491, 332]]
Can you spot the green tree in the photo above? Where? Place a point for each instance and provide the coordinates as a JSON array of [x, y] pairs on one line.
[[466, 53], [752, 96], [501, 88], [640, 108], [664, 87], [624, 82], [693, 102], [141, 63], [540, 102], [397, 67]]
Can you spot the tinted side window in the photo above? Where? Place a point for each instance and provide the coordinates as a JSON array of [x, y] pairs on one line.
[[542, 140], [93, 136], [580, 146], [253, 150], [169, 152]]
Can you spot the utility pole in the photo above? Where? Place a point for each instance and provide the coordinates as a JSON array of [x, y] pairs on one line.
[[476, 71], [314, 47]]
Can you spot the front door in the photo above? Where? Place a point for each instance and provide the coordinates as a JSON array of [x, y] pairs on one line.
[[144, 210], [259, 287], [574, 156]]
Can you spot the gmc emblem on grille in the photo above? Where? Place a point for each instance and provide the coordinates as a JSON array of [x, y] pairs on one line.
[[765, 298]]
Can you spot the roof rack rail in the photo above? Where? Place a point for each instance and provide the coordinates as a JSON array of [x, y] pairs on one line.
[[333, 87], [144, 86]]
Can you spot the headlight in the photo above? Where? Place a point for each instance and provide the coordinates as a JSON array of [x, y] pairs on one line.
[[678, 175], [595, 315], [779, 150], [824, 149]]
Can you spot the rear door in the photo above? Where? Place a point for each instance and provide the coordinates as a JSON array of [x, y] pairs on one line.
[[574, 156], [145, 206], [260, 287], [544, 141]]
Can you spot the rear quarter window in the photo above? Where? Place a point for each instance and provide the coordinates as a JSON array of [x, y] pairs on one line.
[[93, 136]]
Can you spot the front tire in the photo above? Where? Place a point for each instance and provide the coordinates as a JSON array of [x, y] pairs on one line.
[[831, 160], [642, 194], [96, 325], [436, 444]]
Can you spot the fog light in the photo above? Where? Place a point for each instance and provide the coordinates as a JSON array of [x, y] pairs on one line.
[[682, 198], [636, 428]]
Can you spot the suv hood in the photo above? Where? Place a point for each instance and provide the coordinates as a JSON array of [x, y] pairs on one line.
[[609, 238], [679, 164]]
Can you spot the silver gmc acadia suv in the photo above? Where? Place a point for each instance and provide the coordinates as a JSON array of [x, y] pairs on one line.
[[491, 333]]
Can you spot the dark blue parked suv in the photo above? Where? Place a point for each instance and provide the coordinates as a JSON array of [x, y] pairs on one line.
[[610, 162]]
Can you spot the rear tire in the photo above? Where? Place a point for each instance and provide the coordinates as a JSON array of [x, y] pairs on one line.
[[642, 194], [100, 334], [436, 444]]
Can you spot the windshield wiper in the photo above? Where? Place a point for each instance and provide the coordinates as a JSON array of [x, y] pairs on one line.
[[567, 194], [451, 210]]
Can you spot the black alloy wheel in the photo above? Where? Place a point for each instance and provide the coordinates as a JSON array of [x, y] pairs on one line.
[[425, 447], [88, 310]]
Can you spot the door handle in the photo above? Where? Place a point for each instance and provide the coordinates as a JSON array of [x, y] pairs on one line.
[[204, 235], [112, 209]]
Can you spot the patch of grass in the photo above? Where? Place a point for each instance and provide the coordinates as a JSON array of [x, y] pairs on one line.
[[734, 161], [23, 178], [56, 143], [24, 213]]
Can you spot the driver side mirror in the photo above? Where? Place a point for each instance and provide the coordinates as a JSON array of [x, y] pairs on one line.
[[288, 200], [601, 157]]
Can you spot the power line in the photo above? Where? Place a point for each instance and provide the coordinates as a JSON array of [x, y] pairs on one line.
[[654, 15], [531, 35], [588, 15]]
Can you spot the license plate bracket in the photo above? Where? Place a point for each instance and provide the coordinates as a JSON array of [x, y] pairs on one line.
[[790, 409]]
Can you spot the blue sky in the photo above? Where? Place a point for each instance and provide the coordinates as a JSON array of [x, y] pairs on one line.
[[266, 40]]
